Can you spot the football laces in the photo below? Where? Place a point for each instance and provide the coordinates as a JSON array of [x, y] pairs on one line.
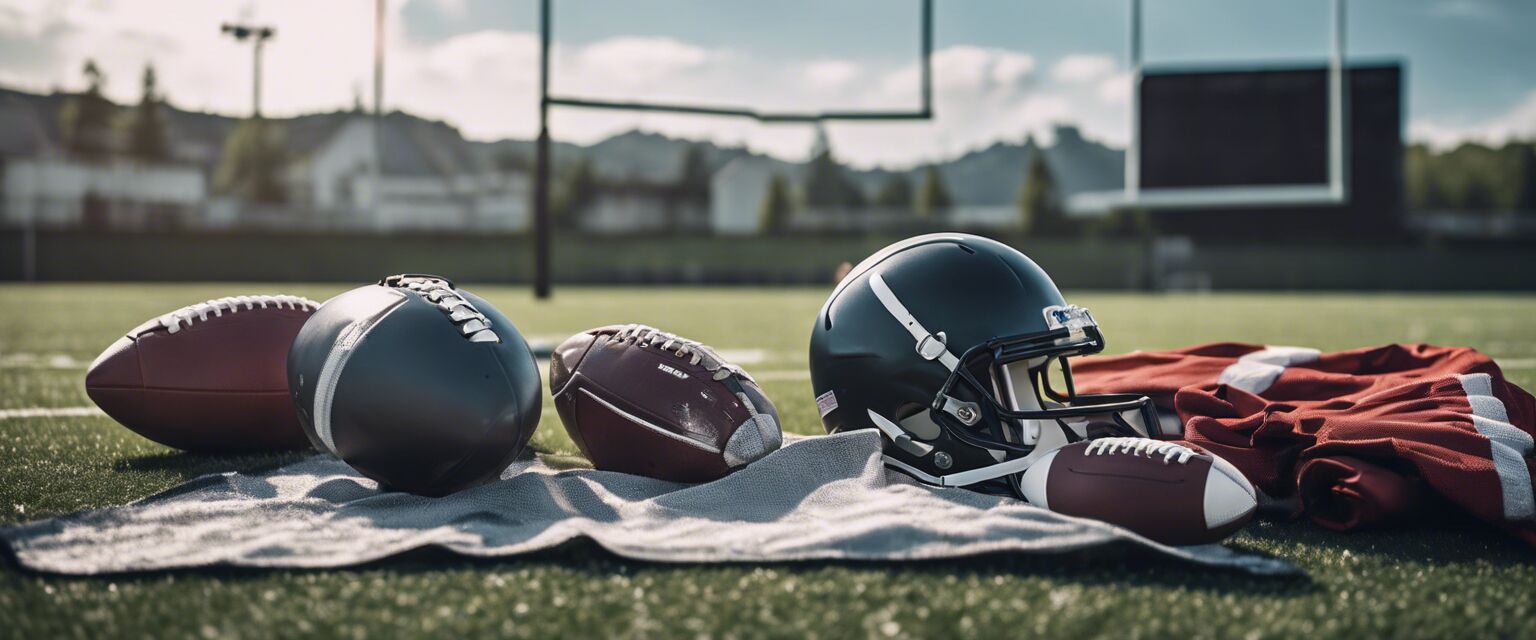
[[441, 294], [175, 320], [696, 352], [1170, 451]]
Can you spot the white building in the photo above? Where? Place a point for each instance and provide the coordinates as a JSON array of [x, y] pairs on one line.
[[736, 194], [40, 186], [58, 192], [430, 179]]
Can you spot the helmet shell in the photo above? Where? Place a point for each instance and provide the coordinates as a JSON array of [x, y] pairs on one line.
[[863, 360]]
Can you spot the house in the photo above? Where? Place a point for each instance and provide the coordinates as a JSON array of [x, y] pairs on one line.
[[41, 186], [736, 194], [60, 192], [633, 206], [430, 178]]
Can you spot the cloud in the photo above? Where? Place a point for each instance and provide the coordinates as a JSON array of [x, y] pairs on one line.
[[474, 81], [478, 55], [321, 50], [1465, 10], [1083, 67], [485, 82], [637, 61], [966, 69], [1519, 123], [977, 69], [831, 74], [453, 8], [1116, 89]]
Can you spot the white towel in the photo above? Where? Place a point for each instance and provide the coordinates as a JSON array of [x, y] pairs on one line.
[[820, 498]]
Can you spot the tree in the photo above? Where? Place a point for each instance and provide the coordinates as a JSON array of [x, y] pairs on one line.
[[510, 161], [1039, 200], [827, 185], [573, 193], [147, 138], [692, 193], [1525, 195], [896, 193], [1473, 178], [933, 197], [253, 162], [693, 179], [85, 121], [773, 213], [1422, 190]]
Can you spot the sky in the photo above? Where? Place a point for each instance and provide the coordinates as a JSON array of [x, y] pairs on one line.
[[1003, 69]]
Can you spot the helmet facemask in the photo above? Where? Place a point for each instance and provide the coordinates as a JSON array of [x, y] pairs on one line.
[[998, 397], [1021, 408]]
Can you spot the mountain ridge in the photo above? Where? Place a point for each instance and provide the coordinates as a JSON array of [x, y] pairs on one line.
[[991, 175]]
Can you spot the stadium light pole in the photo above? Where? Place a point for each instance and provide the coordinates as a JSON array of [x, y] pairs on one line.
[[1133, 150], [375, 168], [258, 36]]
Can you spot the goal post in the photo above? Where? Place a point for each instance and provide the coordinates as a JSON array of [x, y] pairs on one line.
[[542, 286]]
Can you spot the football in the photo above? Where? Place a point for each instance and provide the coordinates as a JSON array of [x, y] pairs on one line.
[[207, 378], [1171, 492], [415, 383], [638, 400]]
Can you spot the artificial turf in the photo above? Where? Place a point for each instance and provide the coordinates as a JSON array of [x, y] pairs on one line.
[[1445, 578]]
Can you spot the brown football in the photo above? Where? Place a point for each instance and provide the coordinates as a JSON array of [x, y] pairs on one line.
[[208, 378], [638, 400], [1171, 492]]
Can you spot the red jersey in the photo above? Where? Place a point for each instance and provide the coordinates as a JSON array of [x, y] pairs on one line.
[[1354, 435]]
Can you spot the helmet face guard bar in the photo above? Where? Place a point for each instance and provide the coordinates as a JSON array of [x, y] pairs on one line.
[[1010, 349]]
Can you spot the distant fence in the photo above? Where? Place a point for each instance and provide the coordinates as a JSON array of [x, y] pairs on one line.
[[1075, 264]]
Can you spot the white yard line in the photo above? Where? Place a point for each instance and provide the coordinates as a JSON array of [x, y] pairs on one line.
[[743, 356], [782, 374], [50, 412], [40, 361]]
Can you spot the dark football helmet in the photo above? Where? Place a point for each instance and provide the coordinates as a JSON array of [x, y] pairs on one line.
[[944, 342]]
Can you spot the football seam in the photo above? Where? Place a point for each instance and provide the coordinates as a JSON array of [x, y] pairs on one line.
[[1219, 519], [648, 425], [182, 390], [1121, 475], [506, 379], [575, 373], [1226, 517], [138, 361], [326, 386], [1235, 475]]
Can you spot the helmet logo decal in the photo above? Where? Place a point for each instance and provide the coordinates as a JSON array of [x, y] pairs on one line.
[[1071, 317], [827, 402], [931, 346]]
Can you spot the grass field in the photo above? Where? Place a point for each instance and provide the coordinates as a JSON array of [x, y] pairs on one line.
[[1446, 579]]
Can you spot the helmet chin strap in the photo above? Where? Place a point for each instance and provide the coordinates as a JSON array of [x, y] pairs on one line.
[[898, 435], [930, 346], [1051, 440], [964, 478]]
